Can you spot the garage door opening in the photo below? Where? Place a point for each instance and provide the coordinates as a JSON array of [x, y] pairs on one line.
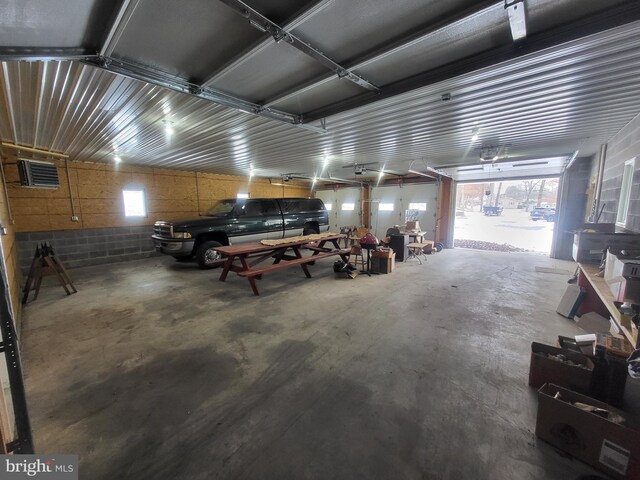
[[507, 216]]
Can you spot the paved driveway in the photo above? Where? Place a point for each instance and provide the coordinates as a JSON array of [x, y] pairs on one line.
[[513, 227]]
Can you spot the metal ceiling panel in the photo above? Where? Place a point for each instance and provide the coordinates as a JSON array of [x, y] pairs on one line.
[[188, 39], [333, 90], [543, 14], [57, 23], [482, 31], [277, 69], [354, 29]]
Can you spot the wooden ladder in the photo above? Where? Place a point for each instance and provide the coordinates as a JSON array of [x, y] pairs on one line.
[[46, 263]]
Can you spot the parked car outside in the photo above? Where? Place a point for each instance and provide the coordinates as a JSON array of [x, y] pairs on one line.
[[543, 213]]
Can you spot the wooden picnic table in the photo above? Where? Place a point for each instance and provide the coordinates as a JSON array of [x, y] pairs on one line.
[[245, 259]]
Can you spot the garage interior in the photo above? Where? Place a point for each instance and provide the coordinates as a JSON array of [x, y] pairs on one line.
[[156, 369]]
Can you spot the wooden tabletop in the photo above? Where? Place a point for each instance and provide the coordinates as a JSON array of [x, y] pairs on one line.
[[256, 247]]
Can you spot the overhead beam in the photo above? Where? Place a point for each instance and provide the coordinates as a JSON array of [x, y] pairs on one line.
[[256, 49], [117, 27], [157, 77], [279, 34], [38, 151], [42, 54], [612, 17]]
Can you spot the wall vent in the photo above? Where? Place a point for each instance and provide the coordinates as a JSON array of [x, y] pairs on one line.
[[38, 174]]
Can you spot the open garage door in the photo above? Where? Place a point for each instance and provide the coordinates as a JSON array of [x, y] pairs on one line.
[[511, 215], [390, 206]]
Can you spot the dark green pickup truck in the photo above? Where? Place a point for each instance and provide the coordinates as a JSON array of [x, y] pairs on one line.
[[239, 221]]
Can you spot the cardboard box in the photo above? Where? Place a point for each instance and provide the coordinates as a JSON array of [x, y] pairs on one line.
[[412, 226], [545, 370], [603, 444], [383, 264], [382, 253]]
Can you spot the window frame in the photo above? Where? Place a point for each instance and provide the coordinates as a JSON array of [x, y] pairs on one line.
[[145, 208], [624, 199]]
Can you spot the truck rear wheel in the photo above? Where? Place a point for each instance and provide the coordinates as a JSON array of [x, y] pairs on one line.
[[207, 254], [310, 229]]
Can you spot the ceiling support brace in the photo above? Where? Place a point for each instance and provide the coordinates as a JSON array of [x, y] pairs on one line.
[[117, 27], [263, 24], [303, 17], [156, 77]]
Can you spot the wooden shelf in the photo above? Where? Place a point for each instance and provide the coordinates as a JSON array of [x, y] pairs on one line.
[[604, 292]]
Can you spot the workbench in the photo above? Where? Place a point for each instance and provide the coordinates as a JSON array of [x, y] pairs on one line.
[[245, 259], [599, 297]]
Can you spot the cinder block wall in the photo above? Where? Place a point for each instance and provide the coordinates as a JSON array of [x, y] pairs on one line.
[[102, 233], [624, 146]]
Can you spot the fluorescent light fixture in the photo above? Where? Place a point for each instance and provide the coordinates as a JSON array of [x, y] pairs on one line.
[[242, 195], [517, 19], [530, 164], [117, 159]]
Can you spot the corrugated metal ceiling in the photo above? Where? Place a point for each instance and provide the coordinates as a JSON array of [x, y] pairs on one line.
[[527, 102]]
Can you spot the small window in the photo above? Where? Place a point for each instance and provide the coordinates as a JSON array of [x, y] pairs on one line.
[[386, 207], [418, 206], [625, 192], [328, 206], [242, 195], [348, 207], [134, 203]]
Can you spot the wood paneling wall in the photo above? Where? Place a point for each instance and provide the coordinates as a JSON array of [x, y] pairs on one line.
[[96, 192]]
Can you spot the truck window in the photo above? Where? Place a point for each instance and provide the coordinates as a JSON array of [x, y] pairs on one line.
[[268, 207], [251, 208], [290, 205], [221, 209]]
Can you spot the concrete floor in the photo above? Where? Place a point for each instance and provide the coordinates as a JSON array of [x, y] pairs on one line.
[[156, 370]]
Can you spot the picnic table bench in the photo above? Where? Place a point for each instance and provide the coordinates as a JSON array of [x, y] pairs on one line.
[[249, 255]]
